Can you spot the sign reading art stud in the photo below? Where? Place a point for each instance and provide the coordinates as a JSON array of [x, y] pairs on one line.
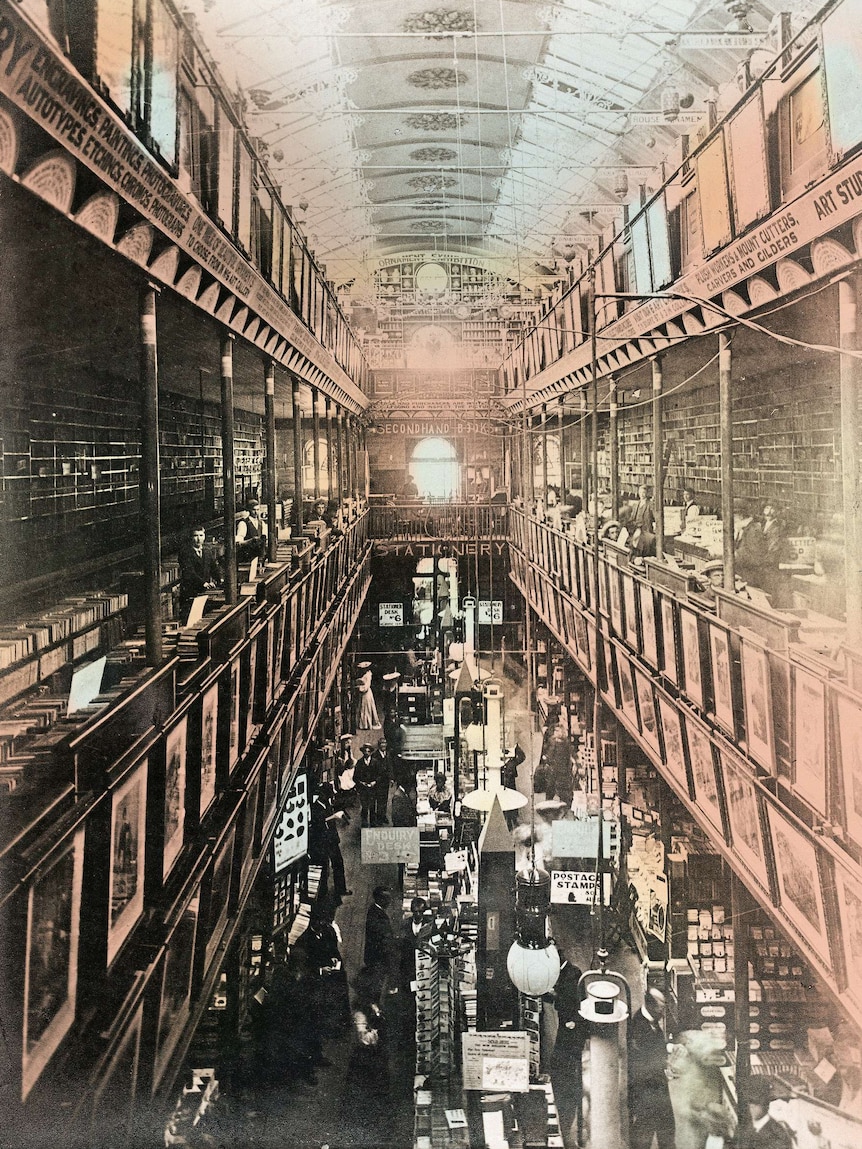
[[291, 830], [381, 844], [496, 1060]]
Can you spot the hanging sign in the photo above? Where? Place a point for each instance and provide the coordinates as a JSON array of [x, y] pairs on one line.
[[490, 611], [579, 838], [290, 840], [390, 614], [707, 40], [483, 1055], [383, 844], [578, 888]]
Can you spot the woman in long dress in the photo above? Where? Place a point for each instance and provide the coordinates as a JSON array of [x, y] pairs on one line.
[[367, 717]]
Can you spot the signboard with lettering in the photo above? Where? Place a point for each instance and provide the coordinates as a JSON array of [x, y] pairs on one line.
[[490, 611], [390, 613], [383, 844], [578, 887], [494, 1047], [290, 840], [430, 427], [579, 838], [438, 547]]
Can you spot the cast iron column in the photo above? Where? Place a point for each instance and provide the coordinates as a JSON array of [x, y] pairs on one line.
[[315, 443], [585, 472], [271, 480], [657, 458], [725, 415], [297, 455], [614, 443], [544, 454], [330, 451], [851, 380], [227, 453], [149, 481], [340, 455]]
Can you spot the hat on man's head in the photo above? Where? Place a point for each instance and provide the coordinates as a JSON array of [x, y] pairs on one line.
[[363, 666], [366, 746], [392, 676], [346, 738], [714, 565], [760, 1090]]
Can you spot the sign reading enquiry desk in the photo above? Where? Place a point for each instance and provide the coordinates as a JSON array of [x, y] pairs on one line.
[[499, 1059], [382, 844]]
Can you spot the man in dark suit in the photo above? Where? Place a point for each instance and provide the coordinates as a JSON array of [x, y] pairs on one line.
[[567, 1058], [381, 948], [200, 570], [765, 1132], [650, 1109], [403, 814]]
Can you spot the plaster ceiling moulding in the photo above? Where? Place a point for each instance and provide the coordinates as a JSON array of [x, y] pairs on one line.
[[647, 346], [52, 178], [189, 282], [294, 359], [208, 298], [675, 330], [760, 291], [658, 340], [280, 348], [99, 215], [240, 319], [828, 255], [733, 302], [251, 331], [437, 22], [9, 143], [137, 243], [436, 79], [433, 155], [791, 275], [431, 182], [435, 121], [225, 312], [166, 263], [693, 325], [430, 225]]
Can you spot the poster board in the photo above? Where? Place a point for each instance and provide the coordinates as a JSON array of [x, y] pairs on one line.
[[578, 888], [496, 1047], [384, 844]]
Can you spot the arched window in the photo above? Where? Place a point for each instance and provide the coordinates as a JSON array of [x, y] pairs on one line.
[[308, 465], [434, 467], [555, 477]]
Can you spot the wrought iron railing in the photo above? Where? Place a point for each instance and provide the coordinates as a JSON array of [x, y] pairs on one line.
[[449, 521]]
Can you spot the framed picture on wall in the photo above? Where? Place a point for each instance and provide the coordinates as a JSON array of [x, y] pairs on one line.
[[649, 634], [115, 1096], [233, 713], [701, 756], [849, 891], [848, 725], [627, 687], [689, 632], [583, 642], [615, 600], [721, 662], [809, 738], [127, 855], [673, 742], [218, 901], [630, 611], [176, 984], [269, 660], [51, 956], [646, 707], [797, 872], [744, 816], [209, 727], [174, 795], [610, 671], [249, 724], [272, 779], [667, 615], [757, 699], [250, 817]]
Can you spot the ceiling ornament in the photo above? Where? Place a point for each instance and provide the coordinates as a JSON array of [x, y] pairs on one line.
[[439, 21], [435, 121], [428, 224], [430, 204], [433, 155], [432, 182], [435, 79]]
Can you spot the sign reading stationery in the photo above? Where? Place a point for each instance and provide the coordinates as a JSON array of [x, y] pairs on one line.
[[496, 1060], [382, 844]]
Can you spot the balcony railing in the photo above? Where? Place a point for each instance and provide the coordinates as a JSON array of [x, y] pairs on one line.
[[447, 521]]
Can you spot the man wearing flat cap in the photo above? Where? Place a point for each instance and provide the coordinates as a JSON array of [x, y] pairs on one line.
[[765, 1131]]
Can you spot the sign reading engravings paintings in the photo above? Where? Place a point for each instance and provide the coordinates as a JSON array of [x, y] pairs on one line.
[[51, 959], [290, 840], [799, 892], [175, 793], [126, 880]]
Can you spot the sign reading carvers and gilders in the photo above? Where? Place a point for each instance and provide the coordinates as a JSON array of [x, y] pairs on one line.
[[382, 844], [479, 1050], [39, 82]]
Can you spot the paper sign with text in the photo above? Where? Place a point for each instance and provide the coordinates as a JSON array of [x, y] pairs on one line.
[[382, 844], [496, 1045]]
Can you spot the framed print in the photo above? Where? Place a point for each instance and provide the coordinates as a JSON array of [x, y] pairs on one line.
[[849, 892], [615, 600], [668, 638], [848, 723], [251, 808], [610, 672], [744, 816], [627, 688], [690, 643], [646, 707], [809, 738], [114, 1097], [278, 657], [272, 780], [269, 661], [219, 894], [233, 714], [757, 701], [583, 644], [721, 662], [176, 985], [649, 634], [250, 706], [673, 744], [630, 612], [591, 641], [51, 957], [703, 774], [209, 726], [175, 795], [797, 874], [127, 850]]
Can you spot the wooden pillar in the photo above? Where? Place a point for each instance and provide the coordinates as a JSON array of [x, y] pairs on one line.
[[850, 370], [544, 454], [657, 457], [614, 443], [725, 417], [585, 471], [227, 457], [315, 444], [741, 906], [271, 472], [330, 451], [150, 502], [297, 455]]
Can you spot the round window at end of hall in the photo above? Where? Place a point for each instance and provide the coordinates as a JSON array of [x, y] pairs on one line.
[[432, 278]]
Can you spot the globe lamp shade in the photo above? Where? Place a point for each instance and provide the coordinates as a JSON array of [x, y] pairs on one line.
[[533, 971]]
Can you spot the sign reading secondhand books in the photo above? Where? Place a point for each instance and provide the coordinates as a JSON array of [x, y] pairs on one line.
[[382, 844]]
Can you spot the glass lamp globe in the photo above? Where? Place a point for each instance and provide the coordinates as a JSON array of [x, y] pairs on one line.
[[533, 971]]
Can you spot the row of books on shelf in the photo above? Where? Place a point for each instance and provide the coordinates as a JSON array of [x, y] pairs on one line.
[[66, 618]]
